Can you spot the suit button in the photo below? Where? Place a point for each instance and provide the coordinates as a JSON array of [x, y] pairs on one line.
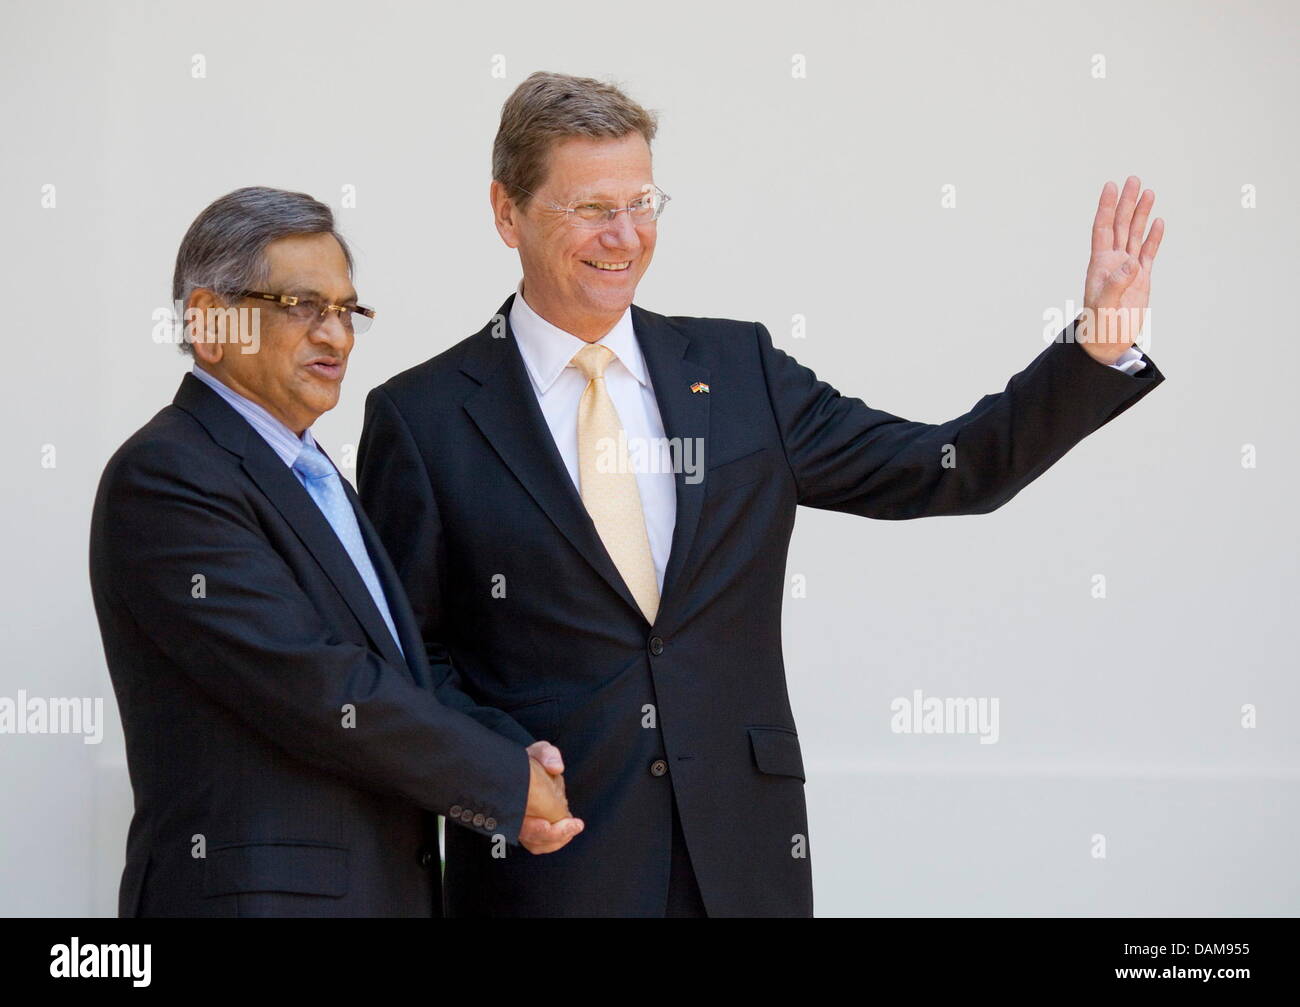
[[479, 820], [426, 857], [467, 816], [489, 823], [656, 645], [658, 767], [454, 812]]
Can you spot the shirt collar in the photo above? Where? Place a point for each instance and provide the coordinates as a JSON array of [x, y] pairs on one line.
[[284, 441], [547, 349]]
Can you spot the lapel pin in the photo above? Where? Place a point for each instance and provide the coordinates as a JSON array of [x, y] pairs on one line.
[[699, 387]]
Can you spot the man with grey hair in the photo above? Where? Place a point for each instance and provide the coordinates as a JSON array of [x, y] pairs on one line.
[[289, 743], [539, 487]]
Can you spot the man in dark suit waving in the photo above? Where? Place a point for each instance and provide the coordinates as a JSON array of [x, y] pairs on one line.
[[590, 506], [289, 744]]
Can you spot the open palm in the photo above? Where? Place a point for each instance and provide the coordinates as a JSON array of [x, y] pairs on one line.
[[1117, 287]]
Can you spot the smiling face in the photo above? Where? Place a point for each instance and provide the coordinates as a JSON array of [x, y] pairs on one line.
[[297, 371], [582, 279]]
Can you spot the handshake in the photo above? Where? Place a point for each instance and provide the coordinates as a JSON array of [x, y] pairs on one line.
[[548, 825]]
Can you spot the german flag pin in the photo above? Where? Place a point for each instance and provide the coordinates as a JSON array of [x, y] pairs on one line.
[[699, 387]]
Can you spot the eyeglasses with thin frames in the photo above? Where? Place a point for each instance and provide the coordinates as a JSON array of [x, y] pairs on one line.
[[595, 213], [356, 318]]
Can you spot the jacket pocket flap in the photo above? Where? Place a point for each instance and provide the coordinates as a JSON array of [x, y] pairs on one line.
[[296, 867], [776, 750], [539, 717], [737, 472]]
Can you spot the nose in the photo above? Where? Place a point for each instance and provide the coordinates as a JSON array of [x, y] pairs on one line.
[[332, 332], [619, 232]]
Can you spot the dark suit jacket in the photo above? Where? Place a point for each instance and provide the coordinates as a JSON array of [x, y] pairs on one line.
[[237, 631], [459, 472]]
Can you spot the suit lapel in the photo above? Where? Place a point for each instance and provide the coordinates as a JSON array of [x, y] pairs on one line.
[[686, 422], [505, 409], [276, 480]]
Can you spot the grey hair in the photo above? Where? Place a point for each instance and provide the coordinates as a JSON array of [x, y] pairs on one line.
[[549, 107], [224, 249]]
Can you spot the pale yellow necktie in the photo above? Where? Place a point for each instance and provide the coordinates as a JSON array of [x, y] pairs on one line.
[[608, 484]]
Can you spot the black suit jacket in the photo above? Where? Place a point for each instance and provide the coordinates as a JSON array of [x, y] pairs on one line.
[[239, 635], [505, 569]]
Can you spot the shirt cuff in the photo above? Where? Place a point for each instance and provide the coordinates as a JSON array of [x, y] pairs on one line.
[[1130, 361]]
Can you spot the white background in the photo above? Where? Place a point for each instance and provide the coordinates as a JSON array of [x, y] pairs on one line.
[[817, 197]]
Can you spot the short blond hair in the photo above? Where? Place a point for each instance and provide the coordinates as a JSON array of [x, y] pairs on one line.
[[550, 107]]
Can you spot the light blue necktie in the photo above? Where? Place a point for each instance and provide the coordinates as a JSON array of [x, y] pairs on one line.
[[325, 485]]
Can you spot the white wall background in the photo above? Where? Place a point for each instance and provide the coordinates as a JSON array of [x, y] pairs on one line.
[[817, 197]]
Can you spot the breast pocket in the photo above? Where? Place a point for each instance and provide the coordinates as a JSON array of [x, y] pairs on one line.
[[728, 539], [737, 472], [295, 866]]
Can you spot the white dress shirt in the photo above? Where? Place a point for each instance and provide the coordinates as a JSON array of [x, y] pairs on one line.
[[548, 352]]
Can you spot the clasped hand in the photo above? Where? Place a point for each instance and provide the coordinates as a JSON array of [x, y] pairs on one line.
[[548, 825]]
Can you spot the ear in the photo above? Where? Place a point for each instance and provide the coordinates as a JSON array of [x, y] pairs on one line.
[[201, 326], [504, 214]]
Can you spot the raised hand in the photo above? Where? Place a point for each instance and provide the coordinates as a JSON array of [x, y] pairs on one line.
[[548, 826], [1117, 288]]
